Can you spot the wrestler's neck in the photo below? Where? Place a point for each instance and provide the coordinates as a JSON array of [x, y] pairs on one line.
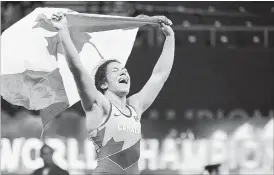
[[117, 100]]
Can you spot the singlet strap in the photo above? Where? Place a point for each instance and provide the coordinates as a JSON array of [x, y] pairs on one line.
[[135, 114], [133, 109], [130, 111]]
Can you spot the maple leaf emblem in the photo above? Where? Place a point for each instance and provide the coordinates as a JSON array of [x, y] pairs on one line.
[[111, 147], [128, 156], [97, 137], [79, 38]]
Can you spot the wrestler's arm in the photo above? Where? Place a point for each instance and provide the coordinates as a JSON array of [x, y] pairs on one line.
[[91, 98], [143, 99]]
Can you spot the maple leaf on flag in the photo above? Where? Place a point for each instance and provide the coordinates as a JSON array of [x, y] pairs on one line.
[[44, 22], [53, 45], [79, 38]]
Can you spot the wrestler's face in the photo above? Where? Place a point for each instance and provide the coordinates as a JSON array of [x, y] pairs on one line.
[[118, 79]]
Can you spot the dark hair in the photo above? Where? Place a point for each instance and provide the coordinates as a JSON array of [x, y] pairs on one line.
[[46, 146], [101, 75]]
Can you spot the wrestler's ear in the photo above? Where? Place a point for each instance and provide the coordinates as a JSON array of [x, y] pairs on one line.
[[104, 85]]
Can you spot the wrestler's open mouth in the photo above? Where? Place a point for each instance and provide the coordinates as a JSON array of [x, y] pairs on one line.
[[123, 79]]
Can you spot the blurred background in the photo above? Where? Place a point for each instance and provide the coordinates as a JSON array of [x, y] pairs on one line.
[[217, 107]]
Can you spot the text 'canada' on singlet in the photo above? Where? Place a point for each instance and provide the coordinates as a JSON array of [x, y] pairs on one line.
[[117, 143]]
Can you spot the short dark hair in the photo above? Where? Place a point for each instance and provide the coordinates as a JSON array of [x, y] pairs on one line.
[[45, 146], [101, 75]]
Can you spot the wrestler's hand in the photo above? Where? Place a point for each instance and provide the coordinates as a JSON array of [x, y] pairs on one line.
[[160, 19], [59, 21], [163, 19], [166, 29]]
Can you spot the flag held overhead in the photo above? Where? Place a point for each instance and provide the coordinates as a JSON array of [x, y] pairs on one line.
[[34, 72]]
